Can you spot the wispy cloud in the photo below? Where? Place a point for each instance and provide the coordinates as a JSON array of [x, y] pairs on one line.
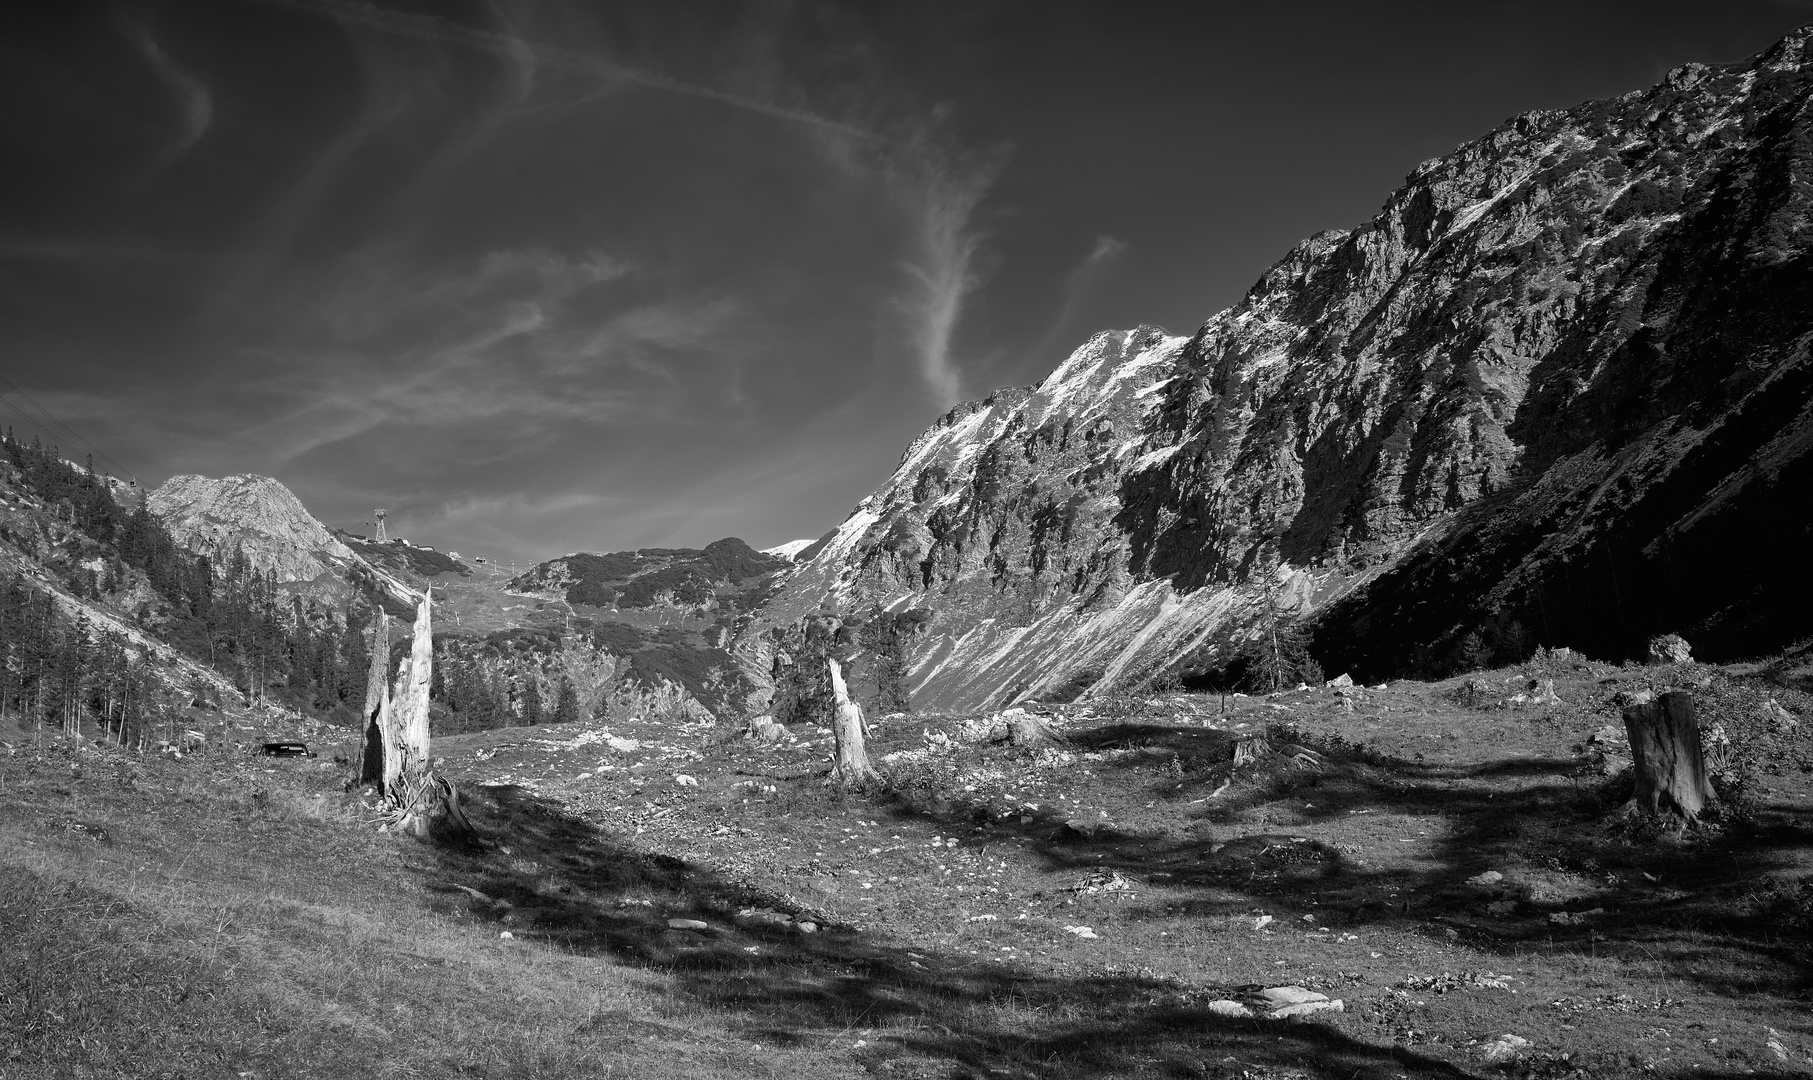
[[515, 350], [196, 101], [940, 190], [436, 29]]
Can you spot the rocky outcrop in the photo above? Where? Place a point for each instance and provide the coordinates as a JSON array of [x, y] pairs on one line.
[[1557, 389]]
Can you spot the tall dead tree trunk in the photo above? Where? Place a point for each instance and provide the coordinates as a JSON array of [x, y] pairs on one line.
[[427, 805], [1669, 767], [848, 729], [406, 740], [377, 696]]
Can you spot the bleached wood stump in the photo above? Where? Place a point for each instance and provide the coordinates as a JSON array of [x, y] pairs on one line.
[[848, 729]]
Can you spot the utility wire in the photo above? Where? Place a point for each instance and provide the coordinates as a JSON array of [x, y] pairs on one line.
[[26, 418], [91, 447]]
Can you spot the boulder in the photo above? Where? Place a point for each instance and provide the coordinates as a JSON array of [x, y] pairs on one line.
[[1669, 649], [1228, 1008], [765, 729], [1505, 1048]]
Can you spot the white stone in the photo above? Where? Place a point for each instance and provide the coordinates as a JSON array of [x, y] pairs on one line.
[[1290, 995], [1506, 1047]]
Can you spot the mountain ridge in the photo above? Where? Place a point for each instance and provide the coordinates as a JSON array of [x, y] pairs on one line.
[[1523, 314]]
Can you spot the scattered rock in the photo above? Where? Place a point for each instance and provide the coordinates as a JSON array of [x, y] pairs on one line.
[[1778, 718], [1506, 1047], [506, 935], [1105, 881], [806, 926], [687, 924], [765, 915], [1502, 907], [1228, 1008], [1775, 1045], [1486, 880], [1262, 922], [1612, 737], [1083, 932], [1669, 649], [1536, 692], [1574, 918], [765, 729], [1624, 699], [90, 830], [686, 781], [1340, 680]]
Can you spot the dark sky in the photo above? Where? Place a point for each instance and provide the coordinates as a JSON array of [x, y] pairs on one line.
[[541, 277]]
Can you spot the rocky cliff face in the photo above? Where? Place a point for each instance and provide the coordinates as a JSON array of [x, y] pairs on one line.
[[260, 517], [1557, 389]]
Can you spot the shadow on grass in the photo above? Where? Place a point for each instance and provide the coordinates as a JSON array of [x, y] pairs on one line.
[[572, 886], [1686, 901]]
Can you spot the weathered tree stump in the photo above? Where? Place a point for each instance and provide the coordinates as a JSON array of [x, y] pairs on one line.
[[424, 805], [1668, 764], [848, 729], [1251, 751]]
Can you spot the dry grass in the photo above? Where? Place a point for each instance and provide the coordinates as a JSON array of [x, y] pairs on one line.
[[240, 919]]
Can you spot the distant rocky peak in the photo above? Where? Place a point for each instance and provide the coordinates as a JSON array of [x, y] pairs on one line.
[[255, 514]]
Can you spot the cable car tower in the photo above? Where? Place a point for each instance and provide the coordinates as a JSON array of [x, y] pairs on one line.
[[379, 537]]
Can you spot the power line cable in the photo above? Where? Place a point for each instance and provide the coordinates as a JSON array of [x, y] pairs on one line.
[[91, 447], [26, 418]]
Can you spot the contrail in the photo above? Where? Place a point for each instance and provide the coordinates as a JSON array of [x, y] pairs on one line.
[[433, 28]]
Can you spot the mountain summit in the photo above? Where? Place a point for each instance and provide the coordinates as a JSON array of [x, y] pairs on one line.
[[257, 515], [1556, 389]]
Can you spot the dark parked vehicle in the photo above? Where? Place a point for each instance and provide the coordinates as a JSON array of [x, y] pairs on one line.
[[285, 749]]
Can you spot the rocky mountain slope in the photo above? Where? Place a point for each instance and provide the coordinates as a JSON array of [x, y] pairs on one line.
[[1557, 389], [261, 518]]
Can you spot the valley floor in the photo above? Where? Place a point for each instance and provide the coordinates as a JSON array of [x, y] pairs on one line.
[[654, 901]]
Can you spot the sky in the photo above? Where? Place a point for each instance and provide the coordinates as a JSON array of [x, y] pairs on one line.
[[545, 277]]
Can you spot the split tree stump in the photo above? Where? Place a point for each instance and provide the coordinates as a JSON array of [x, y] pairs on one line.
[[1668, 764], [1256, 748], [848, 729]]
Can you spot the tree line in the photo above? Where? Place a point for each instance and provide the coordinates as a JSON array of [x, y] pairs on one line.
[[232, 618]]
